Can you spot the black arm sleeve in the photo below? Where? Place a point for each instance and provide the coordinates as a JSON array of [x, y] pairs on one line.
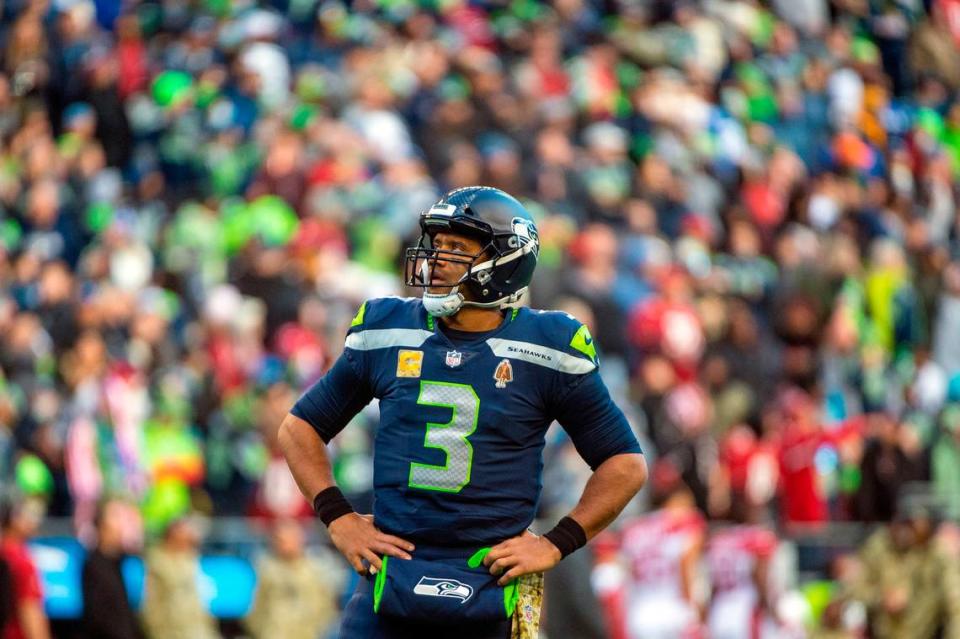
[[596, 425], [334, 400]]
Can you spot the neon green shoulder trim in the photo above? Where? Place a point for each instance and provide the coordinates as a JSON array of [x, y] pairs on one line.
[[583, 342], [358, 318]]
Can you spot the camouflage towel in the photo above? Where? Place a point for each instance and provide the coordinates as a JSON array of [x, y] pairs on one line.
[[526, 616]]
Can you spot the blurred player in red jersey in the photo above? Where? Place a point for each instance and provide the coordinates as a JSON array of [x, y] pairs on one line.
[[663, 550], [745, 595], [19, 520], [608, 580]]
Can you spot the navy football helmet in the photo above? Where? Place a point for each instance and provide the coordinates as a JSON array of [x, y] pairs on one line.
[[510, 245]]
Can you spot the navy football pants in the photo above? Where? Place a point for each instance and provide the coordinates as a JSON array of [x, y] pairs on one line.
[[360, 622]]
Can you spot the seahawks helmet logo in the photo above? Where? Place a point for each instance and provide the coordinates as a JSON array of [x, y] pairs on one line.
[[524, 233], [437, 587]]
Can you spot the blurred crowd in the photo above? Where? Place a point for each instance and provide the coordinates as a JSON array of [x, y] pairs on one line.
[[752, 204], [296, 590]]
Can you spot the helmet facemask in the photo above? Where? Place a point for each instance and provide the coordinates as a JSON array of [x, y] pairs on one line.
[[421, 262]]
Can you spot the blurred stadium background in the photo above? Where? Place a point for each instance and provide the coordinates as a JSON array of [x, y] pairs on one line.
[[752, 205]]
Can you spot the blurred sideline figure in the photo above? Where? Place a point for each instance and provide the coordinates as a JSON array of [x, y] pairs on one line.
[[908, 580], [743, 596], [19, 520], [296, 597], [172, 608], [107, 613], [663, 551]]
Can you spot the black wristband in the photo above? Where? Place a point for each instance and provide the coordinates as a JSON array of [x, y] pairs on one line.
[[567, 536], [330, 504]]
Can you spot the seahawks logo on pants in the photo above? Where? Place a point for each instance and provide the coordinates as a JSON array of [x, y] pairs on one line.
[[436, 587]]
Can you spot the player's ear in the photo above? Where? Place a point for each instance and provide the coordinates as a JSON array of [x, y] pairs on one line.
[[484, 254]]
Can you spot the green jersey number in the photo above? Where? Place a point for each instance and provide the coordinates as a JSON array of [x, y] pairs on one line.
[[450, 437]]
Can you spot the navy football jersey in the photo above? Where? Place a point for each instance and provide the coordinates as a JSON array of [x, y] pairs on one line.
[[458, 452]]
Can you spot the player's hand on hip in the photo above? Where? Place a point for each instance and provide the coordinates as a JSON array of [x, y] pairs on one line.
[[521, 555], [362, 543]]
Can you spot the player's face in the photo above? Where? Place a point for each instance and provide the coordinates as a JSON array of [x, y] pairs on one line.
[[455, 255]]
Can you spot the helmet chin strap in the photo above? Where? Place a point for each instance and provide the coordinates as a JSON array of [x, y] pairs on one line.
[[447, 304], [443, 304]]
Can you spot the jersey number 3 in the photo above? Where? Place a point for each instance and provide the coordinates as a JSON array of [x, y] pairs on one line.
[[451, 437]]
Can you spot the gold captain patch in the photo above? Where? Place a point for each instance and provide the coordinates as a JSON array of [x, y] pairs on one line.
[[409, 363]]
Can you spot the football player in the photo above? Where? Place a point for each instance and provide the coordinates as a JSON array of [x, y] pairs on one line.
[[663, 550], [467, 383], [743, 602]]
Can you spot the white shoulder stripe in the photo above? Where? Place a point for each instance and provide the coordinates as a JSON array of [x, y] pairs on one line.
[[386, 338], [541, 355]]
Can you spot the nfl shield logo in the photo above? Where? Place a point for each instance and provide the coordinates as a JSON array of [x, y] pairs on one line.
[[454, 358]]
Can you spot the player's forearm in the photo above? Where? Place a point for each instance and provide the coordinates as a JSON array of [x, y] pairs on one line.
[[611, 487], [306, 455]]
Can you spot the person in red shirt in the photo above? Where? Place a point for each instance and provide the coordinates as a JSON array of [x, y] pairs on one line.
[[19, 520], [801, 436], [747, 474]]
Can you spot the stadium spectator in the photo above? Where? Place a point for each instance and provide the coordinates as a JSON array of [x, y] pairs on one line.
[[800, 433], [172, 607], [107, 613], [8, 606], [832, 625], [296, 595], [19, 520], [892, 458], [7, 603], [945, 464]]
